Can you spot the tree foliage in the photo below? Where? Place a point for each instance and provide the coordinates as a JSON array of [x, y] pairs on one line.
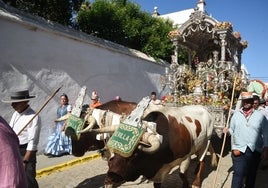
[[123, 22], [120, 21], [60, 11]]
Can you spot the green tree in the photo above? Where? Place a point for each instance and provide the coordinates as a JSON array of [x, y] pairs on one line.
[[123, 22], [120, 21], [60, 11]]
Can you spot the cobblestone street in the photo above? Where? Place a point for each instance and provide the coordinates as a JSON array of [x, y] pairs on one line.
[[91, 174]]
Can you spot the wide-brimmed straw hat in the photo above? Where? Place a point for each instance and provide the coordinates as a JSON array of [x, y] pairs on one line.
[[18, 96], [246, 95]]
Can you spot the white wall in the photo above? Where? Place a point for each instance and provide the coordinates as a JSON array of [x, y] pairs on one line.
[[41, 57]]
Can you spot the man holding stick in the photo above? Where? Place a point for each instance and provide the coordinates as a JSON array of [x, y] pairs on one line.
[[249, 129], [26, 124]]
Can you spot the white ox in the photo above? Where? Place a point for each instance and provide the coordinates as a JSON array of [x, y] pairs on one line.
[[185, 131]]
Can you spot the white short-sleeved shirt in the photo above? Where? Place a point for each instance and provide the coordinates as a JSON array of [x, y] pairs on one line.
[[156, 101], [29, 135]]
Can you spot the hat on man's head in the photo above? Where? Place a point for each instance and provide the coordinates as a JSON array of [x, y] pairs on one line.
[[256, 97], [262, 101], [246, 95], [94, 95], [18, 96]]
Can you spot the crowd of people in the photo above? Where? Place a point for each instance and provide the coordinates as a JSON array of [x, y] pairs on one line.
[[19, 138]]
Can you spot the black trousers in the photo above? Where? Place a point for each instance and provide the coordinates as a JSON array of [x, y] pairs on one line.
[[245, 166], [30, 167]]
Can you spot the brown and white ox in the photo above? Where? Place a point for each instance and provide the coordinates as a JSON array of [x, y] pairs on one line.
[[185, 131], [87, 140]]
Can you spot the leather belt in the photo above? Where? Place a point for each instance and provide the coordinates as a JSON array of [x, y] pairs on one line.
[[23, 146]]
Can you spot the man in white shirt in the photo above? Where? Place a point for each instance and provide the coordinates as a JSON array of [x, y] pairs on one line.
[[29, 135], [154, 99]]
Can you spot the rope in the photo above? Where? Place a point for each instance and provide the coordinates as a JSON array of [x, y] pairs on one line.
[[225, 134]]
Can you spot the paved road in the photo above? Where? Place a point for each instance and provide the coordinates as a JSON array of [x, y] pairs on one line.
[[91, 174]]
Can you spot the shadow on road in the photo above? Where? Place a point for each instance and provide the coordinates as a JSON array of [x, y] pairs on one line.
[[96, 181], [230, 170], [173, 180]]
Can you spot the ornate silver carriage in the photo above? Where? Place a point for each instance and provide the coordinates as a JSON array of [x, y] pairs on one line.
[[211, 69]]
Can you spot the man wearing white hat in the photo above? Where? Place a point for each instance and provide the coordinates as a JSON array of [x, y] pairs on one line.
[[249, 130], [29, 135]]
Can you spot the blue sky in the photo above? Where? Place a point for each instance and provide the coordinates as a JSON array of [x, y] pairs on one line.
[[247, 16]]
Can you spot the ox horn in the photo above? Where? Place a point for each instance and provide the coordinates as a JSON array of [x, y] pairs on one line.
[[63, 118], [91, 122], [152, 140], [105, 129]]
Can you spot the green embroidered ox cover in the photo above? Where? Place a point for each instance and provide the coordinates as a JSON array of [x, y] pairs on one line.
[[74, 124], [125, 139]]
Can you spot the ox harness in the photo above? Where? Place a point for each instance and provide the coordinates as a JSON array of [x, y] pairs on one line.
[[128, 135], [74, 122], [134, 118]]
